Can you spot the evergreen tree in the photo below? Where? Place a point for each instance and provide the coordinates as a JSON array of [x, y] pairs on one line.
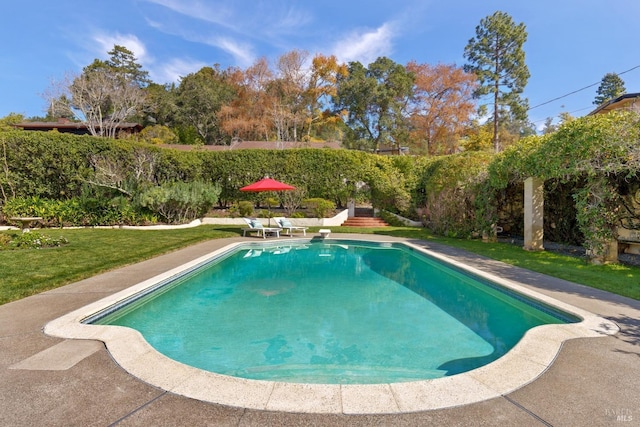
[[611, 87], [549, 127], [497, 58], [107, 93], [375, 100], [122, 63], [198, 101]]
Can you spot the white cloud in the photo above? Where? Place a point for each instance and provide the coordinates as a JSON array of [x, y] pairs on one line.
[[283, 20], [105, 43], [171, 71], [247, 18], [99, 43], [168, 71], [217, 12], [241, 52], [366, 46]]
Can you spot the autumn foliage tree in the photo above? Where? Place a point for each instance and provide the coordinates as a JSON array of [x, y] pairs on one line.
[[296, 98], [245, 117], [324, 74], [286, 95], [478, 137], [441, 107], [291, 102]]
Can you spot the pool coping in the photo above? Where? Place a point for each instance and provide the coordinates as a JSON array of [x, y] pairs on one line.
[[520, 366]]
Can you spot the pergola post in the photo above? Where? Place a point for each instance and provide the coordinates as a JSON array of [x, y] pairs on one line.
[[351, 206], [533, 214]]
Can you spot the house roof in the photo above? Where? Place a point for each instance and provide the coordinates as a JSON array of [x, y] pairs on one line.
[[261, 145], [624, 101], [68, 124]]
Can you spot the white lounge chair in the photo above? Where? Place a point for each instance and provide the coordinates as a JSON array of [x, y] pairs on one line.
[[260, 230], [289, 228]]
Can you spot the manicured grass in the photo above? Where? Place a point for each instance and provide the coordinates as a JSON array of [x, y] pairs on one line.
[[26, 272], [92, 251], [616, 278]]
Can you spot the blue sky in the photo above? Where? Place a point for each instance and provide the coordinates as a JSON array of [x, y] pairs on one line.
[[572, 43]]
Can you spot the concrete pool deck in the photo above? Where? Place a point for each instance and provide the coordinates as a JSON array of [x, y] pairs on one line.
[[51, 381]]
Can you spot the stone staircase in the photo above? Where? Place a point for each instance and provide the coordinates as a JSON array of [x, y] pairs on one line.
[[364, 218]]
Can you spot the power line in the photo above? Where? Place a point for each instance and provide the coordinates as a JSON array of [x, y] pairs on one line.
[[579, 90], [569, 112]]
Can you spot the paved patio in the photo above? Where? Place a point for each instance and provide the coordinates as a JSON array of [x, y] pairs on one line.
[[55, 382]]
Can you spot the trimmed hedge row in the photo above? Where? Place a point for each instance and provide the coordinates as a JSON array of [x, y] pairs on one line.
[[62, 166], [590, 166]]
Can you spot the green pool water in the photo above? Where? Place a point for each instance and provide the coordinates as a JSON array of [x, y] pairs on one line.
[[332, 312]]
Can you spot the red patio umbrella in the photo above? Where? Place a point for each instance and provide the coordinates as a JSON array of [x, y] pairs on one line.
[[268, 184]]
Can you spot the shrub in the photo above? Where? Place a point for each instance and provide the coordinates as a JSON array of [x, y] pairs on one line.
[[448, 195], [31, 240], [320, 207], [390, 219], [387, 185], [60, 166], [291, 200], [245, 208], [80, 211], [179, 202], [4, 240], [271, 202], [158, 134], [24, 206], [265, 213]]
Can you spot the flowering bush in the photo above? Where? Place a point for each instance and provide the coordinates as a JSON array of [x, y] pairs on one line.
[[31, 240]]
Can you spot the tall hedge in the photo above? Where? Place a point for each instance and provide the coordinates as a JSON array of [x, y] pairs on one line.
[[448, 193], [590, 167], [46, 164], [59, 166]]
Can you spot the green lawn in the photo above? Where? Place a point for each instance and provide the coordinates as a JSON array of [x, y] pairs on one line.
[[616, 278], [89, 252], [92, 251]]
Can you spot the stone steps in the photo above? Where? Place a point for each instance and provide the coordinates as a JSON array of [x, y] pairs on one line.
[[364, 222]]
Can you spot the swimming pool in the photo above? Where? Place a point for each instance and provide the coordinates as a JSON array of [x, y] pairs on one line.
[[522, 364], [331, 312]]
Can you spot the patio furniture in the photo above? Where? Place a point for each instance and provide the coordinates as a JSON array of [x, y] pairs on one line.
[[289, 228], [260, 230]]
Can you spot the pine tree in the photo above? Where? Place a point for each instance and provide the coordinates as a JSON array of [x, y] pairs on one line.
[[497, 58], [611, 87]]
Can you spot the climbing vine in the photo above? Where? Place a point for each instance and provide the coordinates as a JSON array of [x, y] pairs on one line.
[[594, 153], [598, 206]]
